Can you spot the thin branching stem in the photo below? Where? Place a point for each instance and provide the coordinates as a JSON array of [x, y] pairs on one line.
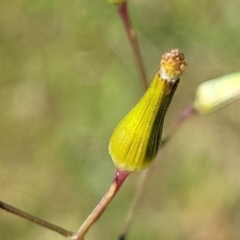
[[123, 13], [138, 197], [118, 179], [34, 219]]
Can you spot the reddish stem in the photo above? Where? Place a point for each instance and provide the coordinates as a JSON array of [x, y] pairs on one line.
[[118, 180], [123, 13]]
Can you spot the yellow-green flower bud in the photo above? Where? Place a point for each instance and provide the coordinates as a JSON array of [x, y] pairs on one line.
[[217, 93], [136, 140]]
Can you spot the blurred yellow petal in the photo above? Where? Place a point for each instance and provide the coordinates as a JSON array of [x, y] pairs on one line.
[[217, 93], [136, 140]]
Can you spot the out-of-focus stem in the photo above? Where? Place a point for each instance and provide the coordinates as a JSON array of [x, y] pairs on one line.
[[138, 197], [35, 219], [184, 115], [118, 179], [123, 13]]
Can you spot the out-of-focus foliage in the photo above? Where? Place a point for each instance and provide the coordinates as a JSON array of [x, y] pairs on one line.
[[67, 77]]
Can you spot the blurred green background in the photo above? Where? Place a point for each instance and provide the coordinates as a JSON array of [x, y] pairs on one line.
[[67, 77]]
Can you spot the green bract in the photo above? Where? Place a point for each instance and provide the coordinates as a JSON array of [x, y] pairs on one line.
[[136, 139], [217, 93]]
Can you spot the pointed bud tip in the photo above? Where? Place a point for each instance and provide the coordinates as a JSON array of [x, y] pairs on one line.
[[172, 65]]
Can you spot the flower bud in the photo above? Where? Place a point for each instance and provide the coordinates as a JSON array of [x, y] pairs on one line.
[[214, 94], [136, 139]]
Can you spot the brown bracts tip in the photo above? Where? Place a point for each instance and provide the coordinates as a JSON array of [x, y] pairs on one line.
[[172, 65]]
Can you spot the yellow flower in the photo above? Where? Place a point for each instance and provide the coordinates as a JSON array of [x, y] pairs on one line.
[[136, 139], [217, 93]]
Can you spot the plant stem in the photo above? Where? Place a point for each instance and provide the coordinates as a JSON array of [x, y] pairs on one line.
[[138, 197], [141, 188], [123, 13], [35, 219], [118, 179]]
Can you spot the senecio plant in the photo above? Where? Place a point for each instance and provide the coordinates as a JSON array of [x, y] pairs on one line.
[[137, 139]]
